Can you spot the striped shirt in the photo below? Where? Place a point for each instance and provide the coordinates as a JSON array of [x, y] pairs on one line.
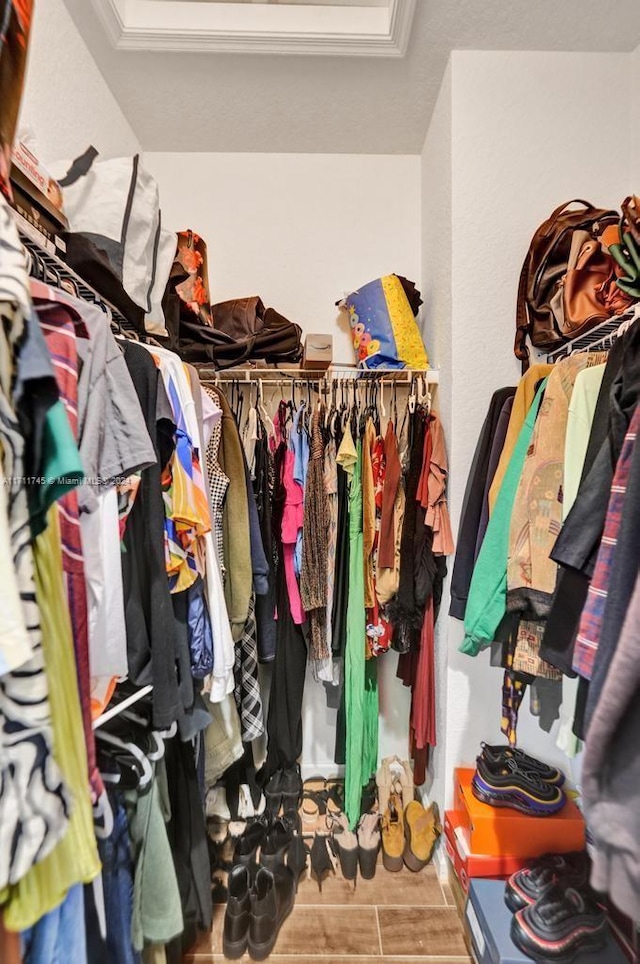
[[588, 636]]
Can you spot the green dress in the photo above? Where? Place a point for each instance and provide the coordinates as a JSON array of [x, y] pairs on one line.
[[354, 660]]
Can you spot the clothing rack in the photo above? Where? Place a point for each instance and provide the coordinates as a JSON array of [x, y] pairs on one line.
[[57, 272], [396, 376]]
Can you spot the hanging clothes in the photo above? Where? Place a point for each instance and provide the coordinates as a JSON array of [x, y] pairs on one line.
[[486, 604], [474, 502], [354, 667], [315, 551], [284, 718]]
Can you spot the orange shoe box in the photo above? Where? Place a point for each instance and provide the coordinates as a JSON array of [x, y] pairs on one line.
[[501, 830], [467, 864]]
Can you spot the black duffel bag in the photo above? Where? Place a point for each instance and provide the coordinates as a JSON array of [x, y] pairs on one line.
[[243, 331]]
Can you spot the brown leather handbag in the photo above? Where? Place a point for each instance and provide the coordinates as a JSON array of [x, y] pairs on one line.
[[566, 278]]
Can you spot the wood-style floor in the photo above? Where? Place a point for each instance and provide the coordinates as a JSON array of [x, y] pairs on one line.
[[394, 918]]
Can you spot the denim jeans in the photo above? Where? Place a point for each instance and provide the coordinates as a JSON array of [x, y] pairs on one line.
[[50, 940], [117, 880]]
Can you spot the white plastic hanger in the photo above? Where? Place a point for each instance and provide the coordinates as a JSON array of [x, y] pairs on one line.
[[135, 751]]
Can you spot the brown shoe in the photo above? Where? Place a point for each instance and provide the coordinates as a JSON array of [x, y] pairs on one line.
[[422, 829], [393, 835]]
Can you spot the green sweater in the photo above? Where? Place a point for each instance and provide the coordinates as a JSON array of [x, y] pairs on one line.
[[487, 602]]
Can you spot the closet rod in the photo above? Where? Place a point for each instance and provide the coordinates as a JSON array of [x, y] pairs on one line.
[[335, 373]]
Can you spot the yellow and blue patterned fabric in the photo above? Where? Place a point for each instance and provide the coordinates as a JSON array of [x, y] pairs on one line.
[[384, 330]]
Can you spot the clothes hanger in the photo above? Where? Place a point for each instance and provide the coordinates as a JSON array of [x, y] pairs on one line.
[[103, 819], [264, 414], [132, 750]]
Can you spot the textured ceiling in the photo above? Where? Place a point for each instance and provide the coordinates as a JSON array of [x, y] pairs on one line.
[[239, 102]]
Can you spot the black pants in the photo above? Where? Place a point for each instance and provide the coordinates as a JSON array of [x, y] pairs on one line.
[[284, 718]]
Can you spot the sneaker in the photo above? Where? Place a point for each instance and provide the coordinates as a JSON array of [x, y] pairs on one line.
[[528, 885], [506, 785], [235, 933], [393, 835], [272, 900], [499, 755], [422, 828], [563, 924]]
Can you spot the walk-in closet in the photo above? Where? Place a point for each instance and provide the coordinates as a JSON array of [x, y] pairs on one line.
[[319, 527]]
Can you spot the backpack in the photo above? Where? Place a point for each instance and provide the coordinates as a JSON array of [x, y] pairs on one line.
[[115, 205], [568, 279]]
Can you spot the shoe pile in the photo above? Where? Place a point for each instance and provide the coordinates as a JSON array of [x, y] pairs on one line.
[[507, 811], [556, 913], [284, 789], [357, 848], [507, 777], [332, 842], [410, 831], [256, 909], [268, 861]]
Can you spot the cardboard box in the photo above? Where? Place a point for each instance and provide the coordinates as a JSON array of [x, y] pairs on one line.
[[467, 864], [318, 352], [489, 921], [459, 895], [47, 189], [501, 830]]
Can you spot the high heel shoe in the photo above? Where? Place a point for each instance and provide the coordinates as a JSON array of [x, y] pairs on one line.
[[321, 860], [297, 858], [346, 843], [384, 785], [368, 844], [407, 784]]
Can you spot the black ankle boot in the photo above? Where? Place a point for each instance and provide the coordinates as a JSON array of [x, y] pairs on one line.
[[277, 840], [272, 900], [291, 787], [237, 916], [273, 793], [253, 837]]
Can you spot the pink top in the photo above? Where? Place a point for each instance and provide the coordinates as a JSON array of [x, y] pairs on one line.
[[292, 522]]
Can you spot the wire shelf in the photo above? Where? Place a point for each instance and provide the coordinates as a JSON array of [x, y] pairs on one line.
[[590, 341], [59, 271], [399, 376]]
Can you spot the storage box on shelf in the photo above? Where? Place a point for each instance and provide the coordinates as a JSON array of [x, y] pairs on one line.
[[488, 920], [503, 831], [467, 864]]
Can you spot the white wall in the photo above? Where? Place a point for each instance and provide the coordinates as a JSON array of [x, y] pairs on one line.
[[66, 100], [300, 230], [436, 287], [522, 141]]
